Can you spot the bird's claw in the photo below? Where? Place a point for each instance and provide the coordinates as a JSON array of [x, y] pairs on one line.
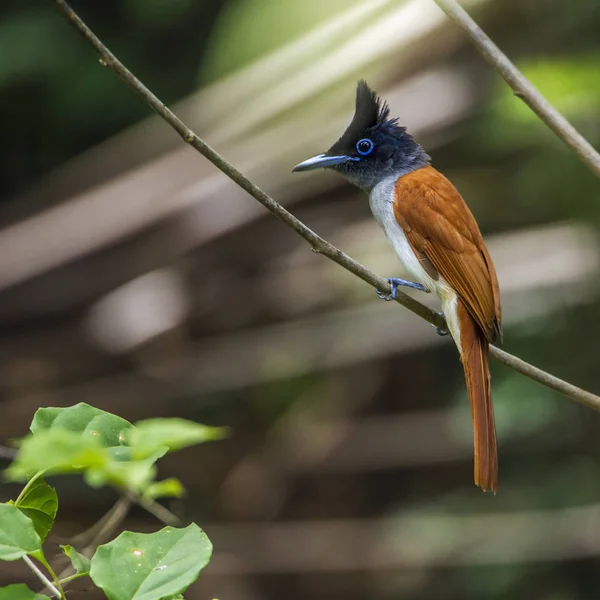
[[439, 330], [395, 282], [387, 297]]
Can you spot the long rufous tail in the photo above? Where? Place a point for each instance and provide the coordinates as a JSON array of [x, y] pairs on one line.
[[474, 350]]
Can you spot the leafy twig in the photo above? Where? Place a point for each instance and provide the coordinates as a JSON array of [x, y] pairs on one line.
[[320, 245], [40, 575], [70, 578], [99, 531], [522, 87], [107, 525], [28, 486]]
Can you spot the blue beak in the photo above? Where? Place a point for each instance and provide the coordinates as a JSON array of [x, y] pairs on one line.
[[321, 161]]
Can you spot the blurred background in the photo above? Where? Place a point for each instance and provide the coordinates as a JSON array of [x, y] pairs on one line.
[[137, 278]]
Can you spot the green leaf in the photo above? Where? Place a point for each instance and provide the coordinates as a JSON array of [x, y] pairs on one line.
[[171, 487], [56, 451], [19, 591], [108, 449], [39, 503], [17, 534], [135, 475], [139, 566], [149, 435], [88, 421], [66, 440], [80, 562]]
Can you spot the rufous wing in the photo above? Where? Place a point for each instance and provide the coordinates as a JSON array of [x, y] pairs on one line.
[[444, 235], [440, 228]]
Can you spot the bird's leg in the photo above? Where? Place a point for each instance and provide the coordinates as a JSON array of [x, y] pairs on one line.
[[439, 330], [395, 282]]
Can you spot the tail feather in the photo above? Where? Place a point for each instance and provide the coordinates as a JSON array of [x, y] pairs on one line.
[[474, 350]]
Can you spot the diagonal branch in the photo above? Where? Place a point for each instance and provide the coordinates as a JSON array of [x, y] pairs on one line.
[[163, 514], [319, 245], [522, 87], [42, 577], [104, 527]]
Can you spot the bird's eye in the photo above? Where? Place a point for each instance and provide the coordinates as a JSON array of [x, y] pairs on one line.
[[364, 147]]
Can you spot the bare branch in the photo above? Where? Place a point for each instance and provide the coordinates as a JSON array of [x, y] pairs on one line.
[[567, 389], [155, 509], [98, 532], [522, 87], [104, 527], [318, 243], [42, 577]]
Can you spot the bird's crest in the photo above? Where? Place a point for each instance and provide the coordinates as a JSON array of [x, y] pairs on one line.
[[370, 111]]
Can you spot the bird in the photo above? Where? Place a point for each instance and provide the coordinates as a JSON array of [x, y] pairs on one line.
[[438, 242]]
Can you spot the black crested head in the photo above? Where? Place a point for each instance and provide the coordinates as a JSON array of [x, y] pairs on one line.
[[369, 112], [373, 147]]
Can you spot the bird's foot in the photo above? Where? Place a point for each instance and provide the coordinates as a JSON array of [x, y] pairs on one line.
[[395, 282], [439, 330]]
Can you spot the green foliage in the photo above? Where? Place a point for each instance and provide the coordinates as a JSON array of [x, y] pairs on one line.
[[560, 81], [19, 591], [106, 450], [510, 124], [167, 488], [135, 475], [99, 105], [90, 423], [158, 15], [149, 436], [39, 502], [56, 451], [138, 566], [80, 563], [18, 536], [19, 36]]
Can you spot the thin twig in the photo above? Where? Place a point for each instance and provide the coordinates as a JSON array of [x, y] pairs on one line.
[[109, 525], [522, 87], [154, 508], [318, 244], [47, 583], [105, 526], [98, 532], [566, 389]]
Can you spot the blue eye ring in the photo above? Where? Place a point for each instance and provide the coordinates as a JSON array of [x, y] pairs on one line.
[[364, 146]]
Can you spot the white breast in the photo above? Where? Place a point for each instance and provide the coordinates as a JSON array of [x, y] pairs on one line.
[[381, 201]]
